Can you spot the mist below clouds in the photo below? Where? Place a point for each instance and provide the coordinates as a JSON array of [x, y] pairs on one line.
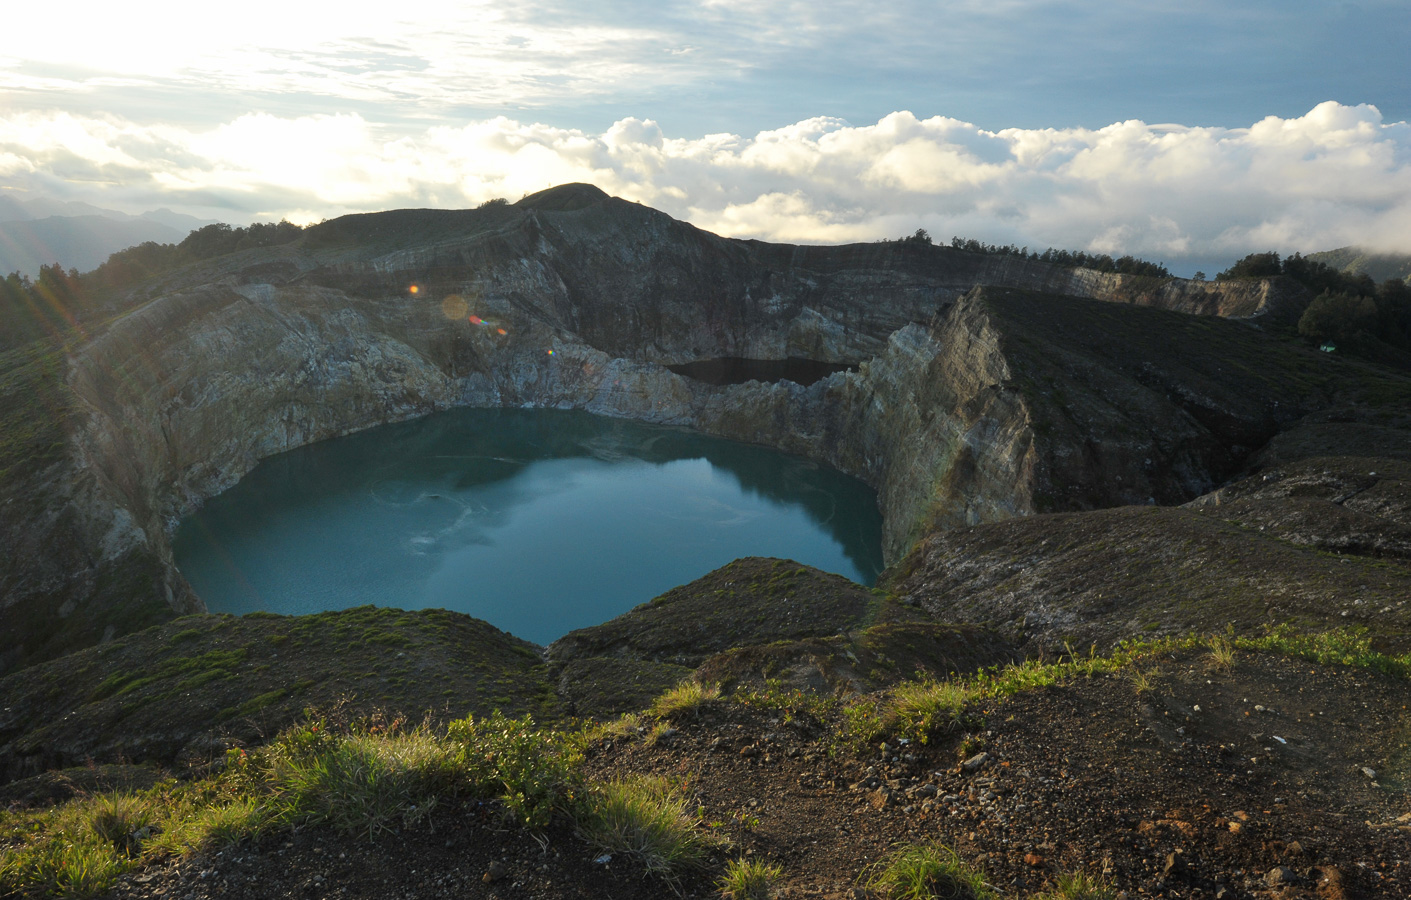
[[1193, 197]]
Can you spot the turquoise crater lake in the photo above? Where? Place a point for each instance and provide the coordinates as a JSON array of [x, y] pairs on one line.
[[538, 521]]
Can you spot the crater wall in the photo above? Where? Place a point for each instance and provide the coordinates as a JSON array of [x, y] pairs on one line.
[[571, 299]]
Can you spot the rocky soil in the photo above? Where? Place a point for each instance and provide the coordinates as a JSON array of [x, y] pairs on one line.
[[1280, 779]]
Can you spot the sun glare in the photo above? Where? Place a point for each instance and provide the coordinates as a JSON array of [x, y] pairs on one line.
[[454, 307]]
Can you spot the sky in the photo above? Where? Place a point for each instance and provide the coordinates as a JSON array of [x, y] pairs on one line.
[[1188, 132]]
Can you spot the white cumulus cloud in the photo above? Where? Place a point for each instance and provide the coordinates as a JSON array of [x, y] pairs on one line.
[[1335, 176]]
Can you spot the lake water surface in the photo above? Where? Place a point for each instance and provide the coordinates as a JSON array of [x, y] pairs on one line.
[[538, 521]]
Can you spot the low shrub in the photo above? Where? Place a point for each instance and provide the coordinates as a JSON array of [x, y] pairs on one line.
[[535, 771]]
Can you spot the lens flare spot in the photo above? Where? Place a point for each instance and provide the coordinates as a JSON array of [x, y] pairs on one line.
[[476, 320], [454, 307], [414, 290], [551, 353], [501, 331]]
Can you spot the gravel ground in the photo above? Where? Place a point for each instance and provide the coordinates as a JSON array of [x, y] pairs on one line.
[[1205, 784]]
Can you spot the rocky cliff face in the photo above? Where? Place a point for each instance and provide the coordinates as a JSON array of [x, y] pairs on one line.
[[968, 406]]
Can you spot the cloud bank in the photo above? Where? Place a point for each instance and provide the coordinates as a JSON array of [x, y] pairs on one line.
[[698, 66], [1338, 175]]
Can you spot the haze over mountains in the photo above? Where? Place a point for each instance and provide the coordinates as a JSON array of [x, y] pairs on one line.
[[37, 231]]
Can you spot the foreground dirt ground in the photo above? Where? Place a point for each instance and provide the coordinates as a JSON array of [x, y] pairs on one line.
[[1279, 779]]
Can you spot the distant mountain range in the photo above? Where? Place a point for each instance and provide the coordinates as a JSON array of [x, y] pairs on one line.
[[1356, 261], [40, 231]]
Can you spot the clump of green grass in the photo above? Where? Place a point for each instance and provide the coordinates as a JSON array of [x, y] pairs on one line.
[[1222, 653], [646, 819], [794, 703], [627, 725], [117, 818], [75, 850], [748, 880], [916, 709], [926, 705], [202, 823], [1078, 886], [360, 782], [684, 698], [1143, 680], [928, 872]]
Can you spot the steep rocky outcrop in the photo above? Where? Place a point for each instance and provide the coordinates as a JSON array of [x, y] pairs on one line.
[[965, 407], [1317, 543]]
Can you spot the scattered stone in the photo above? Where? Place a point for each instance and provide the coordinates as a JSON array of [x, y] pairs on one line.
[[749, 752], [974, 763], [1280, 875], [494, 872], [1033, 859], [1175, 865], [1370, 773]]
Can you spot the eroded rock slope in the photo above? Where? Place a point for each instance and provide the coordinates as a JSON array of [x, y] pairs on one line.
[[967, 406]]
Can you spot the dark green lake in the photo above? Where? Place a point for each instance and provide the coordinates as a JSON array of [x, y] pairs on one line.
[[538, 521]]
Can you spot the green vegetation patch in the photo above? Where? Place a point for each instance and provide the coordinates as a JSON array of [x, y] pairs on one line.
[[357, 780], [205, 668], [233, 680]]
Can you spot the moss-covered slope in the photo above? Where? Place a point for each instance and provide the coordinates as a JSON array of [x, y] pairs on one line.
[[186, 690]]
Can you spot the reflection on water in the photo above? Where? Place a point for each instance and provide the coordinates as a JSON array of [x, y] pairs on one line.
[[539, 521]]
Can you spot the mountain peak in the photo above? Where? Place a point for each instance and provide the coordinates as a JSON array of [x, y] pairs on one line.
[[565, 198]]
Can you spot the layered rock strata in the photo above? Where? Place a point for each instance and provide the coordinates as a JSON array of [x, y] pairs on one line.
[[573, 299]]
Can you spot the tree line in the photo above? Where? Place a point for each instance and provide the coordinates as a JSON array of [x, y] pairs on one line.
[[1068, 259], [56, 302], [1352, 311]]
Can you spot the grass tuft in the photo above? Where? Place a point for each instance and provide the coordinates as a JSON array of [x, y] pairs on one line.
[[748, 880], [1222, 654], [117, 818], [927, 705], [360, 782], [686, 697], [1079, 886], [646, 819], [1143, 680], [928, 872]]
